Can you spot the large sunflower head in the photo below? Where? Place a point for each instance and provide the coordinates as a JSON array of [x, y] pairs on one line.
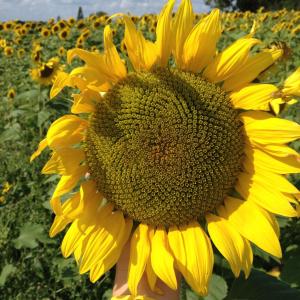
[[178, 136]]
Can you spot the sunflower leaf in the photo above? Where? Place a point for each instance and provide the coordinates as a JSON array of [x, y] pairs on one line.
[[261, 286], [291, 266], [29, 236], [6, 271], [217, 290]]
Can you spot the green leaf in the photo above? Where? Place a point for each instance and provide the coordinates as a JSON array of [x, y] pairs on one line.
[[191, 295], [283, 222], [11, 134], [28, 95], [6, 271], [291, 266], [43, 116], [46, 204], [260, 286], [107, 295], [29, 235], [217, 290], [264, 255]]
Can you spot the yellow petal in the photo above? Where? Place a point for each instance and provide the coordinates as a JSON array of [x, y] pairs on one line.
[[139, 254], [142, 53], [269, 198], [93, 76], [275, 105], [252, 68], [272, 220], [62, 79], [128, 297], [102, 240], [193, 255], [199, 256], [93, 61], [64, 161], [56, 206], [113, 255], [278, 150], [274, 180], [251, 223], [91, 58], [75, 206], [230, 60], [247, 258], [292, 84], [200, 45], [263, 128], [177, 246], [151, 276], [82, 103], [68, 182], [112, 58], [254, 96], [59, 224], [71, 204], [66, 131], [162, 259], [182, 26], [42, 145], [163, 33], [73, 238], [256, 158], [81, 228], [228, 241]]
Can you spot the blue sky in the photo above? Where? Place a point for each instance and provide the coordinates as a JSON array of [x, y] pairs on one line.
[[45, 9]]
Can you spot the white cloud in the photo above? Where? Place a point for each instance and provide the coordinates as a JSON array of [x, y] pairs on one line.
[[45, 9]]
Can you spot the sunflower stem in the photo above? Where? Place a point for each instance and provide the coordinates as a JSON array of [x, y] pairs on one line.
[[183, 288]]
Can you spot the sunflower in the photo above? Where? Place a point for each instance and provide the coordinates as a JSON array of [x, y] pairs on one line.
[[61, 51], [80, 42], [62, 24], [45, 73], [71, 21], [96, 24], [11, 94], [8, 25], [21, 53], [3, 43], [172, 154], [64, 34], [80, 24], [85, 34], [45, 32], [8, 51], [55, 28]]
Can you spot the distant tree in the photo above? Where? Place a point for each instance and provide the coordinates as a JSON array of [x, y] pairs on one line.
[[58, 18], [222, 4], [101, 13], [80, 13], [253, 5]]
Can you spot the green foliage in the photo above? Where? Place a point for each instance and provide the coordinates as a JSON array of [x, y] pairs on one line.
[[30, 235], [6, 272], [260, 286], [253, 5]]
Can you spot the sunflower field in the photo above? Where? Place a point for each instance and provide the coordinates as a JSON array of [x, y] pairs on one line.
[[32, 55]]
